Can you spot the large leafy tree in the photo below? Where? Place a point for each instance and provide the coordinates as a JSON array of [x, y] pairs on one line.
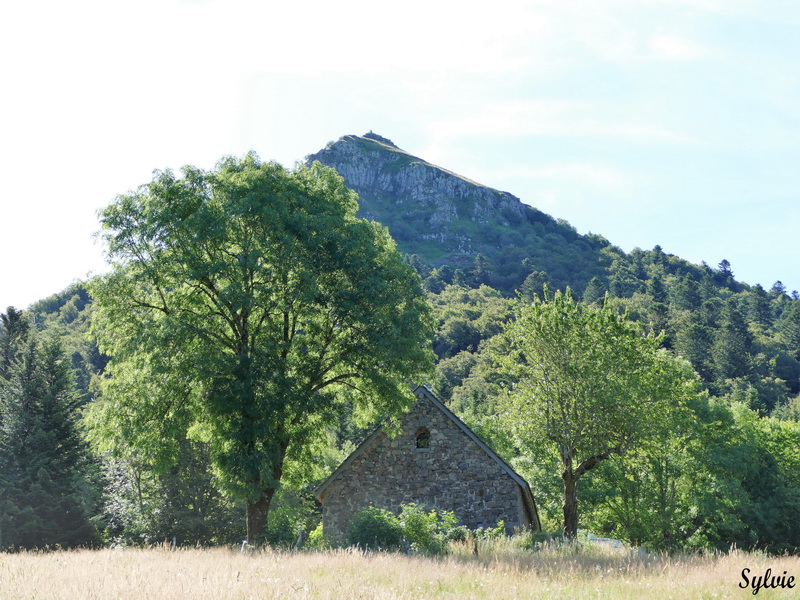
[[588, 386], [246, 308]]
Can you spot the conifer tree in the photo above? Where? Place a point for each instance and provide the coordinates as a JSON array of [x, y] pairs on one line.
[[732, 346], [760, 306], [693, 342], [687, 294], [789, 328], [594, 291], [13, 332], [43, 459]]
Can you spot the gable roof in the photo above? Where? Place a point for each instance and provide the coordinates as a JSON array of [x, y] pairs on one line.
[[424, 392]]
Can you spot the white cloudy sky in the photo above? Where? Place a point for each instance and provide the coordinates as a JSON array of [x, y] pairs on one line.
[[671, 122]]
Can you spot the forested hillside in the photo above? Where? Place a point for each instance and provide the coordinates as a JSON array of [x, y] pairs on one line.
[[723, 469]]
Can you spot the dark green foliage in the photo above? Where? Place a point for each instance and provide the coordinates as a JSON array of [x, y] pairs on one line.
[[416, 529], [428, 531], [534, 285], [13, 334], [686, 293], [182, 503], [693, 341], [375, 528], [481, 270], [45, 495], [760, 307], [731, 348], [295, 512], [789, 329], [595, 291]]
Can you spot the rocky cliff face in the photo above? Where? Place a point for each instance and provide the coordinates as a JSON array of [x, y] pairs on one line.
[[433, 202], [445, 218]]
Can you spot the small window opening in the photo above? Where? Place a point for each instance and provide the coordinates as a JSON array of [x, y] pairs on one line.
[[423, 439]]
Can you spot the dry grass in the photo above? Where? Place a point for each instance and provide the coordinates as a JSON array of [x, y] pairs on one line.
[[221, 574]]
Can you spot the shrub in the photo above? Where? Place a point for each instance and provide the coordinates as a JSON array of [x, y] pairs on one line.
[[316, 540], [375, 528], [429, 532], [491, 533], [417, 529]]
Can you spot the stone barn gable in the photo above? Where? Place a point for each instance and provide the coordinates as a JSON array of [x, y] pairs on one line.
[[436, 461]]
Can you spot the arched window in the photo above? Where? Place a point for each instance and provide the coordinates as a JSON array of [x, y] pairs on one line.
[[423, 438]]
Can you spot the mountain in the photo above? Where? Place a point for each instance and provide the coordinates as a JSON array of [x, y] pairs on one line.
[[447, 219]]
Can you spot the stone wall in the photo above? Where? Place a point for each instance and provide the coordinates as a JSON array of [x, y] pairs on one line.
[[453, 474]]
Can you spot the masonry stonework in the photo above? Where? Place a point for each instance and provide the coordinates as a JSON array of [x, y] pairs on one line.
[[455, 473]]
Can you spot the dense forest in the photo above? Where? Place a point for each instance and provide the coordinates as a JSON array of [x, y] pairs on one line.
[[727, 473], [721, 469]]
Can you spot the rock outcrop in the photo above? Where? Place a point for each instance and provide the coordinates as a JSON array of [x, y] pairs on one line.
[[433, 200], [447, 219]]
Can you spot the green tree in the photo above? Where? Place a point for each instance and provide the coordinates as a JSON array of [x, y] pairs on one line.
[[588, 384], [181, 502], [465, 317], [533, 285], [594, 292], [13, 333], [694, 340], [45, 494], [481, 270], [732, 345], [789, 329], [760, 307], [246, 307], [686, 293]]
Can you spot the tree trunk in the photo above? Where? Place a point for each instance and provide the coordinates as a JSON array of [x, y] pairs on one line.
[[257, 517], [258, 510], [570, 504]]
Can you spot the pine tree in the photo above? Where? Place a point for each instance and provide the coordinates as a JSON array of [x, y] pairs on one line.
[[693, 341], [789, 329], [760, 306], [687, 293], [732, 346], [13, 333], [533, 285], [44, 497], [594, 292], [481, 270]]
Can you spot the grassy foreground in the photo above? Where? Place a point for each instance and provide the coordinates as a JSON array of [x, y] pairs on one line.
[[221, 574]]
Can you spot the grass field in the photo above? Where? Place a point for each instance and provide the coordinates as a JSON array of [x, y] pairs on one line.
[[221, 574]]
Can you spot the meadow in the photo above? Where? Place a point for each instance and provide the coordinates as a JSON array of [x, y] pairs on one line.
[[495, 573]]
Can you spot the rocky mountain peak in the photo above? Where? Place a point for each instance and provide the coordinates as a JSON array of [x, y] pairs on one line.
[[418, 201], [447, 219], [381, 139]]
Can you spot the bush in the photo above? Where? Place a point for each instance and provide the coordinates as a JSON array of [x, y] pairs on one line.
[[416, 529], [491, 533], [429, 532], [316, 540], [375, 528], [291, 513]]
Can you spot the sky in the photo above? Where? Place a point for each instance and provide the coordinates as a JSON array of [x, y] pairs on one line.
[[650, 122]]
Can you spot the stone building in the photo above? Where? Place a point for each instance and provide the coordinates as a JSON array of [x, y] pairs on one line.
[[435, 460]]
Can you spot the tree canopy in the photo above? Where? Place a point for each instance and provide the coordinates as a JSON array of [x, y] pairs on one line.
[[246, 307], [587, 384]]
